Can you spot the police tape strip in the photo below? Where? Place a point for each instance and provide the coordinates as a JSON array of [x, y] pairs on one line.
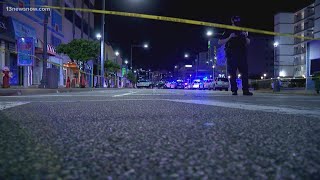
[[176, 20], [15, 52], [184, 21]]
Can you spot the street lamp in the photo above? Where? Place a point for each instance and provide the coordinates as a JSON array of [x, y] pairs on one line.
[[186, 55], [117, 53], [98, 36], [239, 75], [145, 46], [276, 44], [264, 75], [261, 77], [209, 33]]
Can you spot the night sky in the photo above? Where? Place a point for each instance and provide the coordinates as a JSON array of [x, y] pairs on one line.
[[169, 41]]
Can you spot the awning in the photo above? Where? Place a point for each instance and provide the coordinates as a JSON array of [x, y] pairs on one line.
[[71, 65], [50, 49]]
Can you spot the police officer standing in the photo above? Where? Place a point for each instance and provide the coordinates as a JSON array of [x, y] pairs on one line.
[[236, 43]]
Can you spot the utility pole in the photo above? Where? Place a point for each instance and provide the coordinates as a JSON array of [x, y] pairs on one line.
[[44, 80], [102, 44]]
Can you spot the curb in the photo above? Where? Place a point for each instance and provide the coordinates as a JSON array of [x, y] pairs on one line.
[[21, 92]]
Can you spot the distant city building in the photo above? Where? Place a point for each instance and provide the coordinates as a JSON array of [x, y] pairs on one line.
[[290, 60]]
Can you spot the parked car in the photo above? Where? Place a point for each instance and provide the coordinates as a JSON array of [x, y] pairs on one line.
[[207, 83], [167, 85], [197, 84], [173, 85], [160, 85], [180, 84], [220, 83], [144, 84]]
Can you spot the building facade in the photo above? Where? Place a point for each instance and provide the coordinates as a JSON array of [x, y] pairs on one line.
[[63, 27], [290, 53]]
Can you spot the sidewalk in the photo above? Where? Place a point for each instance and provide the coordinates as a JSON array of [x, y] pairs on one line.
[[20, 91], [289, 92]]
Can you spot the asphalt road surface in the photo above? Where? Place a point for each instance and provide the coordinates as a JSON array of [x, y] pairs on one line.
[[159, 134]]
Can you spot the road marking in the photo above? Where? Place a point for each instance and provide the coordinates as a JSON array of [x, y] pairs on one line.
[[125, 94], [91, 100], [6, 105], [251, 107]]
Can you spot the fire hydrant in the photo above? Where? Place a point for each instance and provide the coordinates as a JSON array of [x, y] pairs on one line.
[[6, 77]]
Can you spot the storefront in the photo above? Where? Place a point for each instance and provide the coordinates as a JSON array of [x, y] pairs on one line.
[[7, 48], [22, 75], [71, 71], [54, 61], [74, 71]]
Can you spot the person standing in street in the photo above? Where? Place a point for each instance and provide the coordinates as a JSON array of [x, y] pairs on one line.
[[236, 43]]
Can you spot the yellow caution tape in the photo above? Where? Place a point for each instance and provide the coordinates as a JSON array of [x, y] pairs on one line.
[[177, 20], [184, 21]]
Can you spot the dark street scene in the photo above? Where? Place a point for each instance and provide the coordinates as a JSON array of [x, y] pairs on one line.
[[159, 89]]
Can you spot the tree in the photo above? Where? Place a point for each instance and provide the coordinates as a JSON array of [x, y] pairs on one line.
[[111, 70], [132, 78], [81, 50]]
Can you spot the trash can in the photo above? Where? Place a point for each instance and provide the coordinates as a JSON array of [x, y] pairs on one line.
[[276, 85], [316, 79], [53, 77]]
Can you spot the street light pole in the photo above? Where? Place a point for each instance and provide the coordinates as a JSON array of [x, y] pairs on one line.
[[102, 45], [44, 81], [131, 59], [133, 46], [276, 65]]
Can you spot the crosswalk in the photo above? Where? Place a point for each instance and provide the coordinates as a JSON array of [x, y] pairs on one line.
[[7, 105]]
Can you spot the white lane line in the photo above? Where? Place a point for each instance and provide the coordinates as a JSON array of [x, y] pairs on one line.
[[98, 100], [6, 105], [251, 107], [125, 94]]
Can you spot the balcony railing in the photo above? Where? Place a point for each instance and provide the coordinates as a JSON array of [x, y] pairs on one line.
[[298, 18], [299, 62], [309, 12], [300, 51]]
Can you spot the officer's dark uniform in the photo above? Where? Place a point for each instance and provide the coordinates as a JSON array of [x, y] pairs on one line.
[[236, 54]]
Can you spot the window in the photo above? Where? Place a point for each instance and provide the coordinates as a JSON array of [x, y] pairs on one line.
[[55, 41], [56, 21], [57, 3], [68, 14], [86, 2], [1, 9], [85, 27], [78, 21]]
